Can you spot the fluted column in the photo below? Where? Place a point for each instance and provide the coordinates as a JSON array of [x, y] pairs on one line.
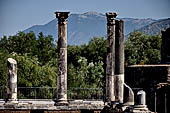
[[110, 60], [62, 57], [12, 81], [119, 61]]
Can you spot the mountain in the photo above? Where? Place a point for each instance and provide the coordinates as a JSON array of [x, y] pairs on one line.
[[156, 27], [83, 27]]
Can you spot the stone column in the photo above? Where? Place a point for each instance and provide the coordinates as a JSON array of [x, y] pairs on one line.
[[119, 61], [62, 57], [141, 98], [141, 102], [110, 60], [12, 81]]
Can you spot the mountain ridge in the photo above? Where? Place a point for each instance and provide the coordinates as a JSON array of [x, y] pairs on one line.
[[83, 27], [154, 28]]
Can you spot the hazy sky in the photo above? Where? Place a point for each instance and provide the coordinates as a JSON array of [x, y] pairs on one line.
[[18, 15]]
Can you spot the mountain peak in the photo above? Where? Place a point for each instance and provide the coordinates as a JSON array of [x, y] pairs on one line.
[[93, 13], [83, 27]]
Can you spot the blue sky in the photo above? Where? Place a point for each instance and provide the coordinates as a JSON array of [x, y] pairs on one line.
[[18, 15]]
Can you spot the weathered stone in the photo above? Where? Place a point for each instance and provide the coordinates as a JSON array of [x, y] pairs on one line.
[[151, 78], [110, 60], [128, 95], [119, 87], [119, 61], [12, 81], [141, 97], [119, 47], [141, 102], [62, 58]]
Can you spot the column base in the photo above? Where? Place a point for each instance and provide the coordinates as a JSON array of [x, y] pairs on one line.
[[11, 101], [61, 103], [140, 107]]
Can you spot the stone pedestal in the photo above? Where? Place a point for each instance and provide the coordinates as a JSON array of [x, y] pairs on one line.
[[12, 81], [110, 60], [141, 98], [62, 57], [141, 101]]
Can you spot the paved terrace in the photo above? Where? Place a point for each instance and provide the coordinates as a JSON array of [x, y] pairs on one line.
[[48, 104]]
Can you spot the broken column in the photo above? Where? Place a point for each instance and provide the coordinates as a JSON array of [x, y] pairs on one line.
[[141, 98], [62, 57], [12, 81], [119, 61], [128, 95], [141, 102], [110, 60]]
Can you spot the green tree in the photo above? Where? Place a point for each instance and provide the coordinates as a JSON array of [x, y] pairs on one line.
[[73, 53], [22, 43], [95, 50], [86, 75], [4, 54], [36, 59], [32, 74], [142, 49], [46, 48], [3, 67]]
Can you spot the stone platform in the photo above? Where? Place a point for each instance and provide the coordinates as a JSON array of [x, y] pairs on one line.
[[25, 104]]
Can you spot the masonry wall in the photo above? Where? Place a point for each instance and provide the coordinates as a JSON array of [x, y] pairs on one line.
[[148, 77], [45, 111]]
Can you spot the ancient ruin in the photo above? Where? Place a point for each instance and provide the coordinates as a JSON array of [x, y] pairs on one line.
[[120, 97], [115, 59], [12, 81], [62, 57]]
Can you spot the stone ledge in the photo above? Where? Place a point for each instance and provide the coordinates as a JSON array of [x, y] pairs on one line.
[[50, 105], [155, 65]]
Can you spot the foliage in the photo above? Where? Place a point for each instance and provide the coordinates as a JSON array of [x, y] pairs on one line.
[[142, 49], [22, 43], [37, 59], [46, 48], [3, 68], [95, 50], [32, 74], [86, 74], [85, 64], [74, 52], [4, 54]]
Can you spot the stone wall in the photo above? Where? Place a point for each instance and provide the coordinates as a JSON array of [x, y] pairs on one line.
[[152, 79], [165, 47], [44, 111]]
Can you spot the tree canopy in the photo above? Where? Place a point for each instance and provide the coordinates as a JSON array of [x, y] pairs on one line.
[[142, 49], [37, 58]]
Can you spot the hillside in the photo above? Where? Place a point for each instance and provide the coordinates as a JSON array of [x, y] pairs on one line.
[[156, 27], [83, 27]]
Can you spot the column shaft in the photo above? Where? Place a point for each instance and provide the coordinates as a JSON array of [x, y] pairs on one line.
[[62, 57], [119, 61], [110, 60], [12, 81]]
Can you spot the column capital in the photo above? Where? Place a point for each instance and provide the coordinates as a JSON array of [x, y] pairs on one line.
[[62, 16], [110, 17]]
